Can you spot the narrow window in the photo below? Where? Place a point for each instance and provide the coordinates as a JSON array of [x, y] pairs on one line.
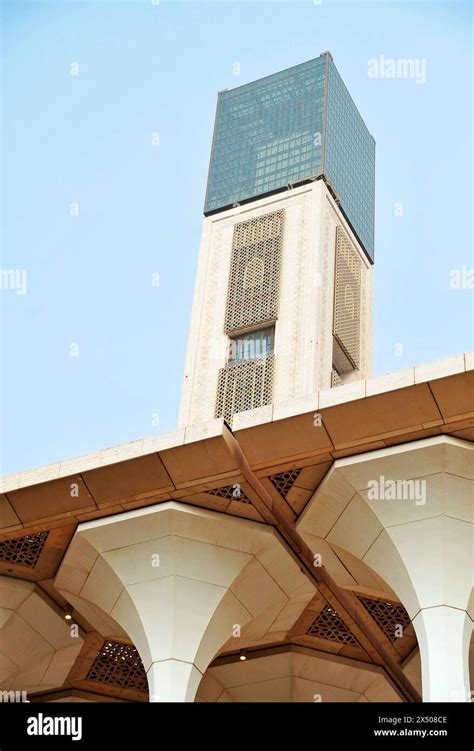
[[251, 345]]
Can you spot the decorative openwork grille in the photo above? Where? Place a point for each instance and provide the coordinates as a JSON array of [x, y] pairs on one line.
[[254, 278], [347, 293], [284, 481], [231, 492], [119, 664], [329, 625], [24, 551], [243, 386], [336, 379], [388, 616], [254, 273]]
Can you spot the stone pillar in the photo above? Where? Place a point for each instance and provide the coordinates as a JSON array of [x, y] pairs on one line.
[[406, 512], [167, 575], [444, 634]]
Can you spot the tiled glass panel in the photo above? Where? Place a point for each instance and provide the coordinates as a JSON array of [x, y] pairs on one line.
[[350, 159], [282, 129], [265, 134]]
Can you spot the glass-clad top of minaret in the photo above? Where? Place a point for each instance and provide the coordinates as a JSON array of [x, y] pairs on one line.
[[288, 127]]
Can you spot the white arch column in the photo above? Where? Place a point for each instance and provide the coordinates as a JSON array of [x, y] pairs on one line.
[[444, 635], [407, 512], [175, 579]]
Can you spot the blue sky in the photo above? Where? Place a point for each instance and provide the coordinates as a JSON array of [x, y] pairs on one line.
[[93, 351]]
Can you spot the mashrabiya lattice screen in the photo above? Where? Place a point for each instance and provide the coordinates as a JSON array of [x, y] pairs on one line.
[[336, 379], [254, 277], [119, 664], [231, 493], [284, 481], [329, 625], [388, 616], [347, 292], [24, 551], [243, 386]]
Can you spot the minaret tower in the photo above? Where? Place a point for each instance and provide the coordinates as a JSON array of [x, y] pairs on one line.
[[282, 303]]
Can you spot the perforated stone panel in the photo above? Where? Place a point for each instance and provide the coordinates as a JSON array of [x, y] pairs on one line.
[[120, 665], [347, 298], [231, 493], [329, 625], [24, 551], [254, 278], [254, 273], [284, 481], [389, 616], [244, 386], [336, 380]]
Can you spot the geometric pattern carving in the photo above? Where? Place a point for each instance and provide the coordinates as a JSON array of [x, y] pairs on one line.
[[387, 615], [245, 385], [284, 481], [347, 292], [254, 277], [329, 625], [24, 551], [230, 492], [120, 665]]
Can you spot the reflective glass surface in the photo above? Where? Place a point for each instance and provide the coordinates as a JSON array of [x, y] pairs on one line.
[[282, 129], [251, 346], [265, 134], [350, 159]]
